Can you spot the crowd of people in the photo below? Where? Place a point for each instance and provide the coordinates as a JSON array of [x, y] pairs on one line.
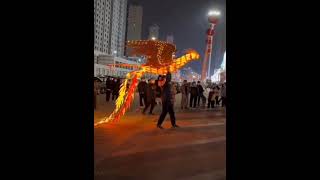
[[150, 93], [162, 91], [216, 96], [110, 87], [192, 93]]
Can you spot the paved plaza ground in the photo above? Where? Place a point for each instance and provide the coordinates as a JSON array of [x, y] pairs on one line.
[[135, 149]]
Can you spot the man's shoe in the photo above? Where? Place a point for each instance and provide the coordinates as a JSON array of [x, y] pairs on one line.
[[160, 127], [176, 126]]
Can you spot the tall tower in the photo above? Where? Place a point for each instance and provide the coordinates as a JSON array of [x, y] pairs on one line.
[[154, 32], [118, 27], [213, 20], [134, 22], [170, 38]]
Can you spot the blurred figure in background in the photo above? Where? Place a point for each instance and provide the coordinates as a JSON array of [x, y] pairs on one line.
[[223, 94], [158, 90], [217, 95], [109, 88], [200, 94], [142, 89], [115, 93], [95, 93], [193, 95], [211, 101], [150, 96], [184, 94]]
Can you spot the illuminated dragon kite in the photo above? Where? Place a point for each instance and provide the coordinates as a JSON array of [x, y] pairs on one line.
[[160, 60]]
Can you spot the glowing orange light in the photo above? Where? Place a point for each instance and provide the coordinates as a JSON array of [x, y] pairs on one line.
[[159, 60]]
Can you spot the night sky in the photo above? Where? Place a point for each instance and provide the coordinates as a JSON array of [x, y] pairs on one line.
[[187, 20]]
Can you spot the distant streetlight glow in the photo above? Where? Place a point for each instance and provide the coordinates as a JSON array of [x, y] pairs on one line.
[[214, 13], [153, 38]]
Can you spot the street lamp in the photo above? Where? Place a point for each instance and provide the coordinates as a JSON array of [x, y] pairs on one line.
[[114, 61], [214, 13], [153, 38]]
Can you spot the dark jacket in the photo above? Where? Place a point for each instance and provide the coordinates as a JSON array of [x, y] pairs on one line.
[[151, 92], [110, 84], [158, 92], [210, 97], [194, 90], [200, 89], [116, 88], [142, 87], [167, 94]]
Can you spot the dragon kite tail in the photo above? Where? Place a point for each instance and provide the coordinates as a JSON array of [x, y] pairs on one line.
[[125, 98]]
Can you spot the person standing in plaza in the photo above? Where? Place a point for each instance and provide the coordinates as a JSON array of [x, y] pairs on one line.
[[142, 89], [217, 95], [200, 93], [158, 90], [115, 93], [193, 95], [150, 96], [108, 88], [184, 95], [95, 93], [167, 102], [223, 94], [211, 101]]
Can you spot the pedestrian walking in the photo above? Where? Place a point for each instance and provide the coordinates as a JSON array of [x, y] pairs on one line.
[[150, 96], [167, 102], [142, 89]]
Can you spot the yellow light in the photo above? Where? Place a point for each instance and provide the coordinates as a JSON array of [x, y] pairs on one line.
[[183, 59], [162, 55]]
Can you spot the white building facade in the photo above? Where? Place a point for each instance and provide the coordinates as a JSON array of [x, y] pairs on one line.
[[108, 66], [109, 37], [109, 26], [219, 75], [102, 25]]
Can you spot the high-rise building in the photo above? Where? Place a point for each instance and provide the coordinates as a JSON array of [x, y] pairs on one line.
[[170, 38], [134, 27], [109, 26], [154, 32], [118, 27], [102, 23]]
